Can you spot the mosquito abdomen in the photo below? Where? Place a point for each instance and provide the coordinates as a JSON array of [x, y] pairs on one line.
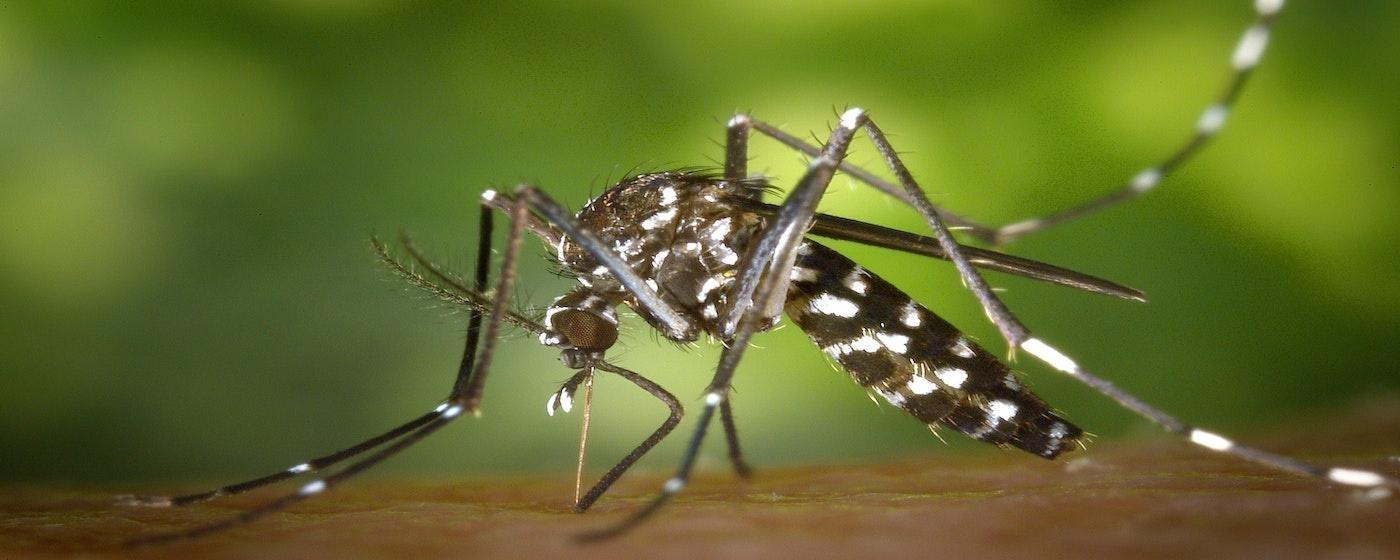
[[917, 361]]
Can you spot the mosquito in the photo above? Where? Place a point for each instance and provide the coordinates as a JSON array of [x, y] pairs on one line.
[[696, 254]]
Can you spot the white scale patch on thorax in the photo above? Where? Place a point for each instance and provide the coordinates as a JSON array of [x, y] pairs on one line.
[[718, 230], [659, 219], [711, 284]]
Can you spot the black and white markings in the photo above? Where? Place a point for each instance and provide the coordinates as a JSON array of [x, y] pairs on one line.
[[885, 340], [910, 316], [1248, 51], [916, 360], [679, 236], [680, 250], [827, 304]]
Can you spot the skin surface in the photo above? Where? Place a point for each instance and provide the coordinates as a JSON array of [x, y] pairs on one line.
[[1154, 500]]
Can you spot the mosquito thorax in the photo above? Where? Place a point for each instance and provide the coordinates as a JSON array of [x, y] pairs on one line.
[[678, 233]]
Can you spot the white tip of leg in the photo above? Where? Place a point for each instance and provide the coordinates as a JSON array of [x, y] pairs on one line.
[[1212, 119], [1251, 47], [737, 120], [1211, 441], [1056, 359], [713, 399], [452, 411], [304, 467], [672, 486], [1268, 7], [314, 487], [1355, 477], [440, 407], [1146, 179], [851, 118], [488, 195]]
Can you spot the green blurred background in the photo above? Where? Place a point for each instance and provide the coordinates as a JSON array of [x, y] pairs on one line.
[[186, 192]]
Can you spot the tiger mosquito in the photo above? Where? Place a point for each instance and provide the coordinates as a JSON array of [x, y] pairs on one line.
[[694, 254]]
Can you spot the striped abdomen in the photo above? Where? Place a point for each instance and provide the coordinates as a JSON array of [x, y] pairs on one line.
[[914, 359]]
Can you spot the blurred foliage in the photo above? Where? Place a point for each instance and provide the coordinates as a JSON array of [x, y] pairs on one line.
[[186, 192]]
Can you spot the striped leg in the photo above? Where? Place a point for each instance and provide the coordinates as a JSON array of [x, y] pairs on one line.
[[312, 488], [1243, 60], [326, 461], [313, 465], [1018, 336], [1245, 57], [412, 432], [1203, 438]]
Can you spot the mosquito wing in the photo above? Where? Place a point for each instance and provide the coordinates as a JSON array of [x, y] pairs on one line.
[[847, 229]]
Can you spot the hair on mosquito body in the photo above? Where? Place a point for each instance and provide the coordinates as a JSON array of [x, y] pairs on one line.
[[702, 255]]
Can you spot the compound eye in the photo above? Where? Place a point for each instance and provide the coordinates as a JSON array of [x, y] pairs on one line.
[[584, 330]]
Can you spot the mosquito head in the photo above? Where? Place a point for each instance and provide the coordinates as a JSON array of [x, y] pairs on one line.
[[586, 336], [583, 325]]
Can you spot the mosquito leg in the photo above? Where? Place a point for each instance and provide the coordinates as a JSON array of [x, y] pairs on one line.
[[310, 489], [731, 436], [485, 229], [479, 357], [1018, 336], [307, 467], [1203, 438], [469, 394], [1010, 327], [319, 463], [736, 168], [754, 293], [736, 156], [736, 148], [747, 123], [661, 432], [1243, 60], [672, 486]]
